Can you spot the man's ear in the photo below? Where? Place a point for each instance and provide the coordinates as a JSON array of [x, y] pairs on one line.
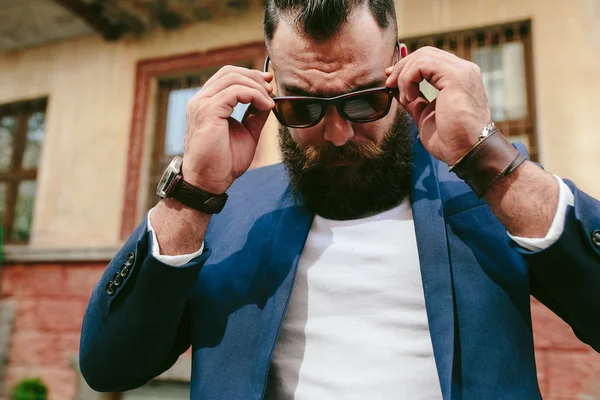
[[403, 51]]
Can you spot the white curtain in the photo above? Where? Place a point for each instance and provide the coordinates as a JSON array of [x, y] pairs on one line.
[[503, 71]]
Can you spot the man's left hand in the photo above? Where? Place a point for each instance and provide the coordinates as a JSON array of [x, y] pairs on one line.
[[449, 125], [524, 201]]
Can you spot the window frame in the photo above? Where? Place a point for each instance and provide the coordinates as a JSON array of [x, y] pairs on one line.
[[148, 71], [15, 174], [462, 42]]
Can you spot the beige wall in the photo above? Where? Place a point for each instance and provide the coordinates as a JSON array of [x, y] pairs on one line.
[[90, 85]]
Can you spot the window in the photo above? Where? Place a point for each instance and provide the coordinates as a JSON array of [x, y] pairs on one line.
[[173, 96], [504, 55], [21, 138]]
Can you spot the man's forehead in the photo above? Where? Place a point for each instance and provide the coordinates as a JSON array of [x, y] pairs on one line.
[[356, 56], [327, 57], [316, 83]]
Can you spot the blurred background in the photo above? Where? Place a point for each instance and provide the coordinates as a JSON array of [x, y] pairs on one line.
[[92, 107]]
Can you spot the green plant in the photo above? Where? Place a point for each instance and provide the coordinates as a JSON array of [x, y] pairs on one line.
[[29, 389]]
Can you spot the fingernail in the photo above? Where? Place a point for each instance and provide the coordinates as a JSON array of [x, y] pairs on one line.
[[389, 69]]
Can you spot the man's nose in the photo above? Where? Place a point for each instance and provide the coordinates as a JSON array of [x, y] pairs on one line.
[[337, 129]]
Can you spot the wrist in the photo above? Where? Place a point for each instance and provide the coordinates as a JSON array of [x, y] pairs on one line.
[[172, 185], [525, 201], [179, 229], [470, 143], [196, 180], [490, 159]]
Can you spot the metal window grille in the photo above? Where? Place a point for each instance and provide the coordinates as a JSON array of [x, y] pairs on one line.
[[504, 54]]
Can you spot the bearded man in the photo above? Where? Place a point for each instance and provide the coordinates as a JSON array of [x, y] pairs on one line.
[[390, 256]]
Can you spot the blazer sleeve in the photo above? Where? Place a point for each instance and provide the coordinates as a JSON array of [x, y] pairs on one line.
[[566, 275], [137, 320]]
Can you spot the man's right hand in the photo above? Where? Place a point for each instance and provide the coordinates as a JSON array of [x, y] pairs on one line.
[[219, 149]]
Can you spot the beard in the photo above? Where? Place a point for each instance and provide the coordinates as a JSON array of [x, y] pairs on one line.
[[376, 179]]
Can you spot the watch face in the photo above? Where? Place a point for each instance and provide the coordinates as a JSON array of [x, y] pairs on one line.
[[170, 173]]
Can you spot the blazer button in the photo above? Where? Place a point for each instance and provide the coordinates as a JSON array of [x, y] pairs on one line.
[[124, 270], [130, 259], [117, 279], [596, 238], [110, 288]]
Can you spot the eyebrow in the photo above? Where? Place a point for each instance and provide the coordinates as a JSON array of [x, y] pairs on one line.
[[298, 91]]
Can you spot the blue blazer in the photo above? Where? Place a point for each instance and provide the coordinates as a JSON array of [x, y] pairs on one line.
[[229, 302]]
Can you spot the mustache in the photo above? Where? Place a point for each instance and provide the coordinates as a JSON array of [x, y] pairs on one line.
[[352, 151]]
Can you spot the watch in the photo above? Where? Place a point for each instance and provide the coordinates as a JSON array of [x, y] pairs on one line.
[[172, 185]]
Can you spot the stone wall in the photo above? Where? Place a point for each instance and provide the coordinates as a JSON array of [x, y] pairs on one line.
[[567, 368]]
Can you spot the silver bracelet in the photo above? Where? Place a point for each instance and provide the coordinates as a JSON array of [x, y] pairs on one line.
[[486, 130]]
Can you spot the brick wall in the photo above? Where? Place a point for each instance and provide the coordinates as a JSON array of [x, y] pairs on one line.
[[50, 300], [567, 368]]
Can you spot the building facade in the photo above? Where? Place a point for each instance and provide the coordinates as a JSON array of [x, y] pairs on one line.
[[92, 105]]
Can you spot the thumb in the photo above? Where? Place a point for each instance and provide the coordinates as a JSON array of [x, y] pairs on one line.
[[254, 120], [415, 108]]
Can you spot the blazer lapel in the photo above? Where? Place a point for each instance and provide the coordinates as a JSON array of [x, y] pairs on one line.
[[435, 263]]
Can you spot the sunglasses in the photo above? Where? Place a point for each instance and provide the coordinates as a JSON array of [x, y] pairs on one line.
[[358, 107]]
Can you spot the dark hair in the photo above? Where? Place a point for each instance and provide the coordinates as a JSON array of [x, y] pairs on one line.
[[322, 19]]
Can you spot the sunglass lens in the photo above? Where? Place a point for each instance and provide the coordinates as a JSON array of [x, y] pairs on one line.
[[367, 106], [298, 113]]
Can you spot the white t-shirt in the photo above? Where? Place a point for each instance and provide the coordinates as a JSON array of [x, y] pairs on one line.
[[356, 325]]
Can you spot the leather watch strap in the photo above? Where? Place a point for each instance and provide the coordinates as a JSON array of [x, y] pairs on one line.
[[196, 198], [489, 160]]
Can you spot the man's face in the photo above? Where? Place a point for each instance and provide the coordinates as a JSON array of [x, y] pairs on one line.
[[343, 170], [355, 59]]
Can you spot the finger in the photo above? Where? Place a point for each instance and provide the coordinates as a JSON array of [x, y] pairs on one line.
[[426, 117], [415, 108], [410, 79], [433, 70], [230, 80], [254, 120], [394, 72], [427, 52], [227, 99], [397, 82], [258, 76], [268, 76]]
